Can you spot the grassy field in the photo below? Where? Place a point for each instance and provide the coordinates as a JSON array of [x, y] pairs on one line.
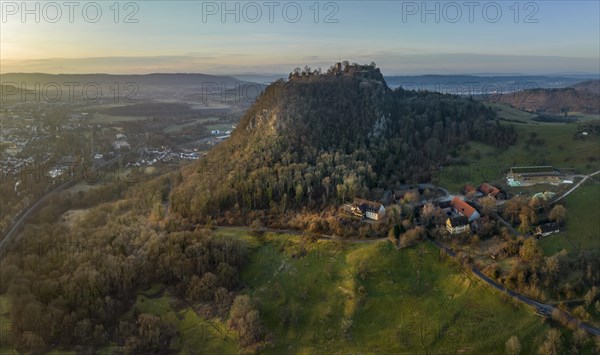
[[179, 127], [372, 298], [221, 127], [102, 118], [505, 112], [584, 116], [583, 225], [485, 163], [513, 115], [202, 335], [329, 297]]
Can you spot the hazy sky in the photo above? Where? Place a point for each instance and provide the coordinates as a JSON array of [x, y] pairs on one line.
[[402, 37]]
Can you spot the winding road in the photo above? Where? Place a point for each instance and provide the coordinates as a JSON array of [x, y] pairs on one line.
[[20, 220], [585, 177], [541, 308]]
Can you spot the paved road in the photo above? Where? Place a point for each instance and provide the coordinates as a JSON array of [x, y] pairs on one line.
[[519, 234], [509, 226], [19, 222], [543, 309], [576, 186]]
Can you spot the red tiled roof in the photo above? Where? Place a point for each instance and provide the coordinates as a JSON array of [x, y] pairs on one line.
[[462, 207], [488, 189], [470, 188]]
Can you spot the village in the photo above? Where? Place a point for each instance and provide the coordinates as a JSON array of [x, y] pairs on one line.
[[476, 206]]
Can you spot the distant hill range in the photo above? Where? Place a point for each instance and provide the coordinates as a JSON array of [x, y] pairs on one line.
[[582, 97], [149, 86], [9, 93], [592, 86], [182, 79], [458, 84], [177, 86], [478, 85]]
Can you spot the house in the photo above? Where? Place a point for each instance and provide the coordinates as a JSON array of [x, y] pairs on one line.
[[369, 209], [457, 224], [470, 190], [464, 208], [546, 229], [490, 190], [444, 204], [118, 145]]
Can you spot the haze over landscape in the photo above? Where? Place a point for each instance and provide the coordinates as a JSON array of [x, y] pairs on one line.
[[394, 177], [237, 38]]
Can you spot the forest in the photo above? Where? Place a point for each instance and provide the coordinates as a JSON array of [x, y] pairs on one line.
[[318, 140], [307, 144], [72, 281]]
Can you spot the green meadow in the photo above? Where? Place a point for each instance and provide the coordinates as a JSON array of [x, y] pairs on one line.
[[556, 146], [203, 335], [582, 226], [329, 297], [510, 114], [339, 298]]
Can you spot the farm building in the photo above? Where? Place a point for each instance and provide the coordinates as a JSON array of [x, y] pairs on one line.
[[533, 175], [490, 190], [545, 230], [464, 209], [457, 224], [369, 209], [120, 145], [469, 189]]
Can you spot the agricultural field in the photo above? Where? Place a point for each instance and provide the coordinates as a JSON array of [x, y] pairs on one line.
[[103, 118], [179, 127]]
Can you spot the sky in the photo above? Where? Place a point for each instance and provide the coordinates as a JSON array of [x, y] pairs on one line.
[[401, 37]]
